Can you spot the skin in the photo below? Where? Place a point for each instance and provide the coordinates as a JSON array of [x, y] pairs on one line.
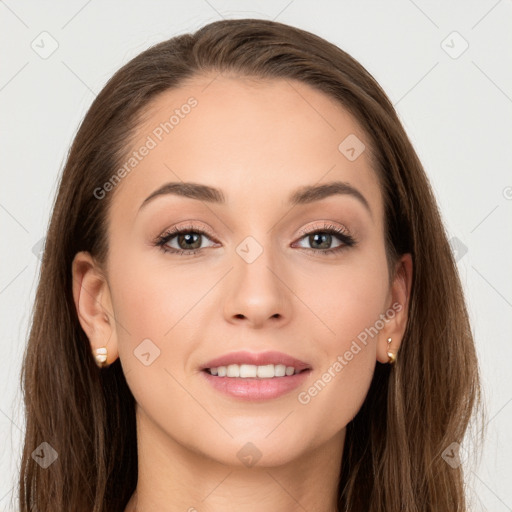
[[257, 141]]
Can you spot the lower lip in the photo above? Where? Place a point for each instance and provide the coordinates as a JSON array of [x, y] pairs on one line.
[[254, 389]]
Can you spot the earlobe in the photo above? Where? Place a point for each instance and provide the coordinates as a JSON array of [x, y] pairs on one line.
[[91, 295], [392, 334]]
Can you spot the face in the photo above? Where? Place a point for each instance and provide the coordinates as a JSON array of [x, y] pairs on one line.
[[255, 272]]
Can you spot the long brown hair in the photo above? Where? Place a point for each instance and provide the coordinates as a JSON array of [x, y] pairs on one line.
[[415, 410]]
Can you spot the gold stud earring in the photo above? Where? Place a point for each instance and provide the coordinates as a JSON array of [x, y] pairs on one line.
[[391, 355], [101, 357]]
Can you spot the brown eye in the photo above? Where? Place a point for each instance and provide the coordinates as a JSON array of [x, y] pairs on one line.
[[321, 240], [184, 240], [189, 241]]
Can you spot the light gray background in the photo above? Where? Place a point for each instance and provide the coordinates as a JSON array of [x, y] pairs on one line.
[[457, 110]]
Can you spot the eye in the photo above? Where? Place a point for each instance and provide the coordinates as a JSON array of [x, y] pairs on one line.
[[188, 240], [321, 239]]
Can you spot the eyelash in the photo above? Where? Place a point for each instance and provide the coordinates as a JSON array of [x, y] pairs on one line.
[[164, 238]]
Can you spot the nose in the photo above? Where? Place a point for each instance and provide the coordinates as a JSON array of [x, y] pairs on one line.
[[257, 293]]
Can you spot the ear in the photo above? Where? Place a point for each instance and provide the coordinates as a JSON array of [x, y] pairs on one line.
[[91, 295], [397, 310]]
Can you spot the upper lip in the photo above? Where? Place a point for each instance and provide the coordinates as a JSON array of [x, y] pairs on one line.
[[257, 359]]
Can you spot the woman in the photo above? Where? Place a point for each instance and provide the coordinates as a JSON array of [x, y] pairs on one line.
[[247, 296]]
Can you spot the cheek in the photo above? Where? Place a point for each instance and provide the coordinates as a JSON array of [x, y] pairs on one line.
[[340, 383], [160, 309], [148, 307], [346, 297], [152, 301], [349, 301], [154, 309]]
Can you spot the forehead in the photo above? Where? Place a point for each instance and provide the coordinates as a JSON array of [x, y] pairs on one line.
[[255, 139]]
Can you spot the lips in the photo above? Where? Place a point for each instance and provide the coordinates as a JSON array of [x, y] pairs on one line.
[[255, 390], [256, 359]]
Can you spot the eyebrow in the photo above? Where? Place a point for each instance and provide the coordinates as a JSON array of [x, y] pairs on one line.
[[303, 195]]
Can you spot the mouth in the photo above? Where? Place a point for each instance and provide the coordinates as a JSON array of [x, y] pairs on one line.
[[255, 377]]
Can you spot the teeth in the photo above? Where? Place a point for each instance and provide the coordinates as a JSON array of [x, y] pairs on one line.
[[246, 371]]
